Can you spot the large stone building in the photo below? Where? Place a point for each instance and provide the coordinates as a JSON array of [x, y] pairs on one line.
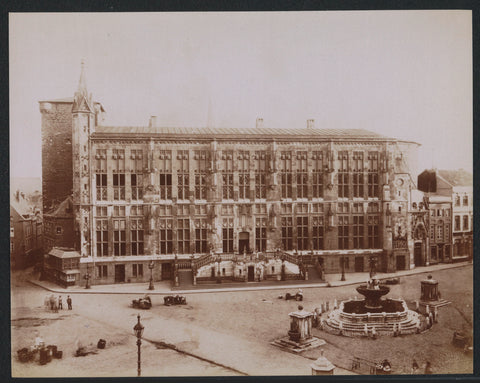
[[193, 196]]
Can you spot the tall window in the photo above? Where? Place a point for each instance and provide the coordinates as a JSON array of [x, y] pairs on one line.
[[286, 174], [302, 233], [343, 174], [260, 234], [373, 232], [358, 232], [457, 223], [137, 270], [101, 174], [136, 229], [166, 186], [317, 233], [342, 232], [440, 232], [287, 233], [137, 186], [118, 165], [260, 186], [201, 236], [465, 200], [182, 174], [119, 237], [101, 228], [302, 175], [166, 236], [260, 158], [465, 222], [457, 200], [119, 187], [243, 174], [183, 235], [317, 175], [227, 232], [227, 176], [200, 186], [357, 174], [227, 190], [373, 189]]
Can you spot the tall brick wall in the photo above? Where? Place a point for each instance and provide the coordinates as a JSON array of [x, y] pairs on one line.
[[57, 172]]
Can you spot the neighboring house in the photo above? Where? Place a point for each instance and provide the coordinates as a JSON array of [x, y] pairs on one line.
[[462, 199], [26, 232], [449, 197]]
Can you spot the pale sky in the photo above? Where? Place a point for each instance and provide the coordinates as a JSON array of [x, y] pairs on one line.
[[403, 74]]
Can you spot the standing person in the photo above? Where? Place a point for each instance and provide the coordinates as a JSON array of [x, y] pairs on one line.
[[60, 303], [69, 302], [414, 366], [52, 302], [428, 368]]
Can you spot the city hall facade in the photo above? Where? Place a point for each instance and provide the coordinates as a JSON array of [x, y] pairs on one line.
[[162, 197]]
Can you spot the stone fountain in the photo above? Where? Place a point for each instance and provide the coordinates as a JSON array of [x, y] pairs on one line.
[[373, 315]]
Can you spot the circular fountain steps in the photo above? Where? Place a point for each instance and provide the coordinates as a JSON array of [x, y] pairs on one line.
[[336, 325]]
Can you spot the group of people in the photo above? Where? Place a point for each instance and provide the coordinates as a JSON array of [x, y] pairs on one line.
[[54, 303]]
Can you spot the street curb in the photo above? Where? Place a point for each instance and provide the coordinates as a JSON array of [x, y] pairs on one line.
[[252, 288]]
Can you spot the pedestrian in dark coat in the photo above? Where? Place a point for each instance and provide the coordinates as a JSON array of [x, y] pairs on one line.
[[69, 302], [60, 303]]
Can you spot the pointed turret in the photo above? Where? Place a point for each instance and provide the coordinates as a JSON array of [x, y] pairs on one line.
[[82, 102]]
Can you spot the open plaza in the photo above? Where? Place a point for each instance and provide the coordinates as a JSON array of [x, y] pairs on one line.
[[221, 333]]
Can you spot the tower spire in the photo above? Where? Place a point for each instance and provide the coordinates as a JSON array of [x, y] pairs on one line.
[[82, 83], [82, 101]]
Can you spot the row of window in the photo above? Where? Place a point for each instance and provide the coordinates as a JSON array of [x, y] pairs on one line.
[[364, 233], [357, 162], [466, 223], [358, 187], [101, 271], [465, 200]]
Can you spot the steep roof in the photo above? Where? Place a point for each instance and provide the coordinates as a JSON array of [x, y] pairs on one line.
[[458, 177], [21, 205], [64, 210], [218, 132]]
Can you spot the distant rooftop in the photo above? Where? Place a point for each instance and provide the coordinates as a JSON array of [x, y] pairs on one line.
[[457, 177]]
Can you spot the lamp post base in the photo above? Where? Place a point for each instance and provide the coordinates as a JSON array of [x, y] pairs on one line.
[[150, 286]]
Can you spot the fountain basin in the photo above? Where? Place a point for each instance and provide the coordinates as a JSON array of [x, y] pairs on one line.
[[373, 296]]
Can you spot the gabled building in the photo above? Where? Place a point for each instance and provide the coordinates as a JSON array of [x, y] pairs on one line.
[[449, 197], [26, 232]]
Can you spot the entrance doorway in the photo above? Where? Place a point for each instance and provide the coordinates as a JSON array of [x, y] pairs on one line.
[[251, 273], [166, 271], [359, 264], [119, 273], [400, 262], [243, 242], [417, 254], [440, 253]]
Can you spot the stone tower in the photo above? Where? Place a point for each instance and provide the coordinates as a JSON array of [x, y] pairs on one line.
[[83, 124]]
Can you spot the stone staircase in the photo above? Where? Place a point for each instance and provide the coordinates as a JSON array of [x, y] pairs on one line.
[[408, 324]]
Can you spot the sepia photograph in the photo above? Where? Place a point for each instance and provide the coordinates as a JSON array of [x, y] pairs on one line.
[[219, 194]]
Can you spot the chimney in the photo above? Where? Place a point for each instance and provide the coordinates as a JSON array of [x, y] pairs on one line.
[[311, 124], [259, 123], [153, 122]]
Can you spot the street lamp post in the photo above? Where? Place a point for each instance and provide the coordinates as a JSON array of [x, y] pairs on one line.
[[343, 268], [151, 265], [87, 278], [138, 329]]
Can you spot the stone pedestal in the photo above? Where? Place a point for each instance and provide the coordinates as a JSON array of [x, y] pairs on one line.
[[430, 294], [300, 334], [322, 366]]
